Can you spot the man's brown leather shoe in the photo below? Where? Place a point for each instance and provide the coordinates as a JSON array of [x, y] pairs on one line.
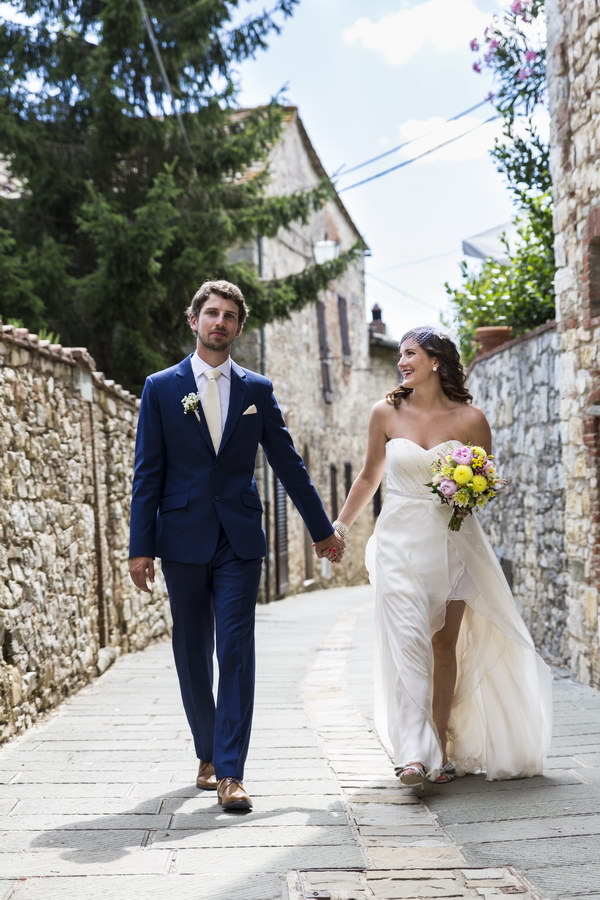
[[206, 779], [232, 794]]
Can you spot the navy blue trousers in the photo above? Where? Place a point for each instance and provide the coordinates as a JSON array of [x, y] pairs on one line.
[[207, 601]]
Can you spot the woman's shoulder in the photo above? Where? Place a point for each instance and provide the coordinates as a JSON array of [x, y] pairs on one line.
[[382, 409], [474, 424], [382, 413], [472, 415]]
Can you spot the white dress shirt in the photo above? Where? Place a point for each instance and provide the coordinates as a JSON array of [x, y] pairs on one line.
[[199, 367]]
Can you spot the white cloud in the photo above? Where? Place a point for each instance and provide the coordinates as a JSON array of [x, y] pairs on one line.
[[444, 25], [427, 133]]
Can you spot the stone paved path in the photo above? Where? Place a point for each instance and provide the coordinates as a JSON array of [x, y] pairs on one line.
[[98, 800]]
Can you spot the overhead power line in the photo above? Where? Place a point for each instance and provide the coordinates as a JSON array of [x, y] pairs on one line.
[[398, 290], [343, 171], [413, 159], [422, 259], [163, 72]]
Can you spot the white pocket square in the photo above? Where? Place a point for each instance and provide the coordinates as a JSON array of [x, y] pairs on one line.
[[249, 411]]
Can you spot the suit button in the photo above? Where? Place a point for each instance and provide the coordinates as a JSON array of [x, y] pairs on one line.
[[216, 466], [217, 496]]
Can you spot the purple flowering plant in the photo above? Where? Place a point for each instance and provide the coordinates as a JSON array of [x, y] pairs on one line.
[[520, 291], [517, 65]]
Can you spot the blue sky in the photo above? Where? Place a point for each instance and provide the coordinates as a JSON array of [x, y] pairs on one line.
[[366, 77]]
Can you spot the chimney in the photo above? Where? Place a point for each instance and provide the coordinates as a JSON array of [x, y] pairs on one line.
[[376, 326]]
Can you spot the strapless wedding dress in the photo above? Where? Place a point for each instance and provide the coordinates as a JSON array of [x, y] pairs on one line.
[[501, 715]]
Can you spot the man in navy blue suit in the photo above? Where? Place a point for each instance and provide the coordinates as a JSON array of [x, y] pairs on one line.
[[195, 505]]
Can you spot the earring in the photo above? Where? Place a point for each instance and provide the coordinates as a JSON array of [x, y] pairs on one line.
[[435, 368]]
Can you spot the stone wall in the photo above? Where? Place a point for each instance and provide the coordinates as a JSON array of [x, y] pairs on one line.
[[517, 388], [574, 94], [67, 606]]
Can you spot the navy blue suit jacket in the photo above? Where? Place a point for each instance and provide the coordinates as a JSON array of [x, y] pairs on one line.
[[183, 492]]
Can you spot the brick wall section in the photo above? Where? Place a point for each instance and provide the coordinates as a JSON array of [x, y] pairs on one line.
[[516, 386], [574, 93], [64, 500]]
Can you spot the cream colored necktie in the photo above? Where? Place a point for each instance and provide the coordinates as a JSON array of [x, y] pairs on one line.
[[212, 407]]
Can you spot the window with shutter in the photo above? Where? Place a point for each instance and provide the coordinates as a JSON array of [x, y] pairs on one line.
[[377, 502], [347, 477], [324, 353], [592, 276], [281, 537], [334, 491], [344, 330], [309, 553]]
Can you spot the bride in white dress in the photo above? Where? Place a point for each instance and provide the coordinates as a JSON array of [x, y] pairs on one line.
[[459, 685]]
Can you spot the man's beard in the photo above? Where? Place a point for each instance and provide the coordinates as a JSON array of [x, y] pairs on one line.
[[222, 342]]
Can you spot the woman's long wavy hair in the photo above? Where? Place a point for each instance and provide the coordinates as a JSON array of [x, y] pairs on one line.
[[452, 374]]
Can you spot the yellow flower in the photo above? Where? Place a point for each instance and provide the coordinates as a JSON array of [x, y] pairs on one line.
[[462, 474], [446, 471], [479, 483], [478, 451], [461, 498]]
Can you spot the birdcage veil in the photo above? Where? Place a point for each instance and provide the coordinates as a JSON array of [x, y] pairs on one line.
[[451, 373]]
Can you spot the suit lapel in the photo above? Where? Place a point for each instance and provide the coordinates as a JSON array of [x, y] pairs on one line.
[[186, 384], [237, 397]]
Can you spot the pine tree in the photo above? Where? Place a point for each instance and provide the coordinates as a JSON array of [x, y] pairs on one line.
[[127, 155]]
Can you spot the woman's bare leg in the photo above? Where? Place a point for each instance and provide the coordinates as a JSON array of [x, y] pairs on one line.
[[444, 668]]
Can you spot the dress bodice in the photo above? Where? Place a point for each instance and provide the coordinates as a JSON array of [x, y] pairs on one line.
[[409, 465]]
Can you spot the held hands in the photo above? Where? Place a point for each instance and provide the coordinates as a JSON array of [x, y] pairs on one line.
[[140, 568], [332, 547]]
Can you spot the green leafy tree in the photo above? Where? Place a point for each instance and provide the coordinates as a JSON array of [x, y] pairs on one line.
[[118, 122], [519, 293]]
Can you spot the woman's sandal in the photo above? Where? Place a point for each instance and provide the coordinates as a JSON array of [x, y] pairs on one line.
[[412, 776], [447, 773]]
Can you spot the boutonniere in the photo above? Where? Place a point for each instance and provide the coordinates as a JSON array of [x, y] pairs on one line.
[[191, 402]]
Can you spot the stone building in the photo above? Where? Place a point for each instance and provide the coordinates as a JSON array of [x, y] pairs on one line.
[[328, 367], [543, 391], [574, 93]]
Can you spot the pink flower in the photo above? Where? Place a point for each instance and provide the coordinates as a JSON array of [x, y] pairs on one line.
[[487, 467], [490, 97], [517, 7], [523, 74], [494, 44], [448, 488], [476, 67], [463, 456], [488, 57], [531, 56], [474, 45]]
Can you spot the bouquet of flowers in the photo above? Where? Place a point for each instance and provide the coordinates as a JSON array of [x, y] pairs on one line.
[[465, 479]]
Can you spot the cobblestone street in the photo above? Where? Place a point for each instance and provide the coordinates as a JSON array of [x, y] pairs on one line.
[[98, 799]]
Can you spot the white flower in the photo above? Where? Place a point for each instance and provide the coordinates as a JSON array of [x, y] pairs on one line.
[[191, 403]]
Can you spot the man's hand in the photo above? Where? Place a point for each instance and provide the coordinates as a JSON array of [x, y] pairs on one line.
[[141, 567], [332, 547]]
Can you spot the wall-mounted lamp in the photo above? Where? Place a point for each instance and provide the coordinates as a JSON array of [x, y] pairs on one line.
[[325, 251]]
